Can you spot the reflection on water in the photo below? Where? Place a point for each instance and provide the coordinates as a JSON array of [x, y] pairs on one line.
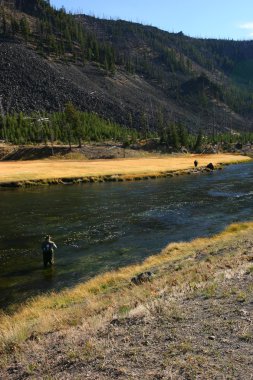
[[103, 226]]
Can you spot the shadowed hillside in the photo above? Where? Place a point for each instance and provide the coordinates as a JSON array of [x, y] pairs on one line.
[[133, 74]]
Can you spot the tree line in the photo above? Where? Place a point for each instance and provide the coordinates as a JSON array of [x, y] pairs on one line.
[[68, 127], [75, 127]]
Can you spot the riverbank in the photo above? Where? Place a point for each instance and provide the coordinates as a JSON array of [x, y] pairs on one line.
[[45, 172], [193, 320]]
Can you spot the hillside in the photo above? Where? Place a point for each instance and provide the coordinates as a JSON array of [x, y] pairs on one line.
[[133, 74]]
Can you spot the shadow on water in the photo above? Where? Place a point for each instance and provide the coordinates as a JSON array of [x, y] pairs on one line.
[[23, 272], [99, 227]]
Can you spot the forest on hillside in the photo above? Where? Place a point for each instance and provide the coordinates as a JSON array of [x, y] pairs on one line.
[[209, 78], [73, 127]]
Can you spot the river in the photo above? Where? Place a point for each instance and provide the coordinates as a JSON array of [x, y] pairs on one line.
[[102, 226]]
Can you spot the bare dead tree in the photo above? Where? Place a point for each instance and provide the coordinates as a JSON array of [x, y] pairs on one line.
[[9, 101], [1, 106]]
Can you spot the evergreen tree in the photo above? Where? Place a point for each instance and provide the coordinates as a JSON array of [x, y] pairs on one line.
[[182, 135], [174, 137], [198, 144], [4, 24], [73, 122], [24, 28], [14, 26]]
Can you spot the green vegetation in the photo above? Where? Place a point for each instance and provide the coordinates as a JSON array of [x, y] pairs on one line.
[[176, 136], [74, 127], [210, 78], [69, 127], [57, 33], [169, 59]]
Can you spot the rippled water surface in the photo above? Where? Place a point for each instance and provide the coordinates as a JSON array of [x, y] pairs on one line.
[[98, 227]]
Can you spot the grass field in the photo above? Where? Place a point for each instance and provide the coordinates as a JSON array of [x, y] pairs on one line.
[[15, 171]]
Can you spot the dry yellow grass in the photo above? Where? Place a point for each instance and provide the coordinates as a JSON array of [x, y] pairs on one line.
[[54, 169], [100, 297]]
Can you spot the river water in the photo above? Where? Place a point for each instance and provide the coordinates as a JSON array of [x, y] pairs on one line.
[[98, 227]]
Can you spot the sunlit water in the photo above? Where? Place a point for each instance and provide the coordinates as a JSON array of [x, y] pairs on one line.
[[98, 227]]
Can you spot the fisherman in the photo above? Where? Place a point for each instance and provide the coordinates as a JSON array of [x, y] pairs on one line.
[[48, 251], [196, 163]]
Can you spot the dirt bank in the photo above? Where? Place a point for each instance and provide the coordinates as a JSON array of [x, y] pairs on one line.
[[27, 173], [91, 151], [192, 321]]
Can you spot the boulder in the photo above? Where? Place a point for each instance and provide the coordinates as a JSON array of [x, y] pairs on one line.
[[210, 166], [142, 277]]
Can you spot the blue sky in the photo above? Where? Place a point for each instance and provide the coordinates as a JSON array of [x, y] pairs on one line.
[[198, 18]]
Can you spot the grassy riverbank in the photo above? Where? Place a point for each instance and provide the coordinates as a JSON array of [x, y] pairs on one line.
[[193, 320], [22, 173]]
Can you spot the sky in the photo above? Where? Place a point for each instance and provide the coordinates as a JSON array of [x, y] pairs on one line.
[[232, 19]]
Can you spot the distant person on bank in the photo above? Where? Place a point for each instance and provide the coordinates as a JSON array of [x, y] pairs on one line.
[[48, 247], [196, 163]]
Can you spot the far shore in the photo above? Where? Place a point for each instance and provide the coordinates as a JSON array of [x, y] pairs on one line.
[[39, 172]]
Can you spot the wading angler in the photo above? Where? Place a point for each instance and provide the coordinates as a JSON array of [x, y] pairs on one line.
[[48, 247]]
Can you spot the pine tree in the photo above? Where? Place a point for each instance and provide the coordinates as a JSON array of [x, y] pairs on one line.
[[74, 123], [182, 135], [4, 23], [24, 28], [14, 26], [174, 137], [198, 144]]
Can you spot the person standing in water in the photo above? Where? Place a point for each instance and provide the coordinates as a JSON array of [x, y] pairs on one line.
[[48, 247]]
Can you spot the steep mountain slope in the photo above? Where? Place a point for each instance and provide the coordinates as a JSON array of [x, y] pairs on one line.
[[136, 75]]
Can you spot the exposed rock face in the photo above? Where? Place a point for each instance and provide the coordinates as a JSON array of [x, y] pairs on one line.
[[32, 83], [154, 91], [29, 82]]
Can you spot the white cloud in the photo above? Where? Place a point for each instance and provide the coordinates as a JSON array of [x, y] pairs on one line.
[[247, 25]]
